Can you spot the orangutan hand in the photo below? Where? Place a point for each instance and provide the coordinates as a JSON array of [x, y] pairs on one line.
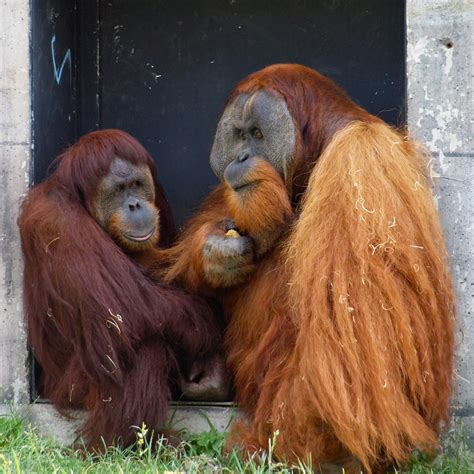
[[228, 257]]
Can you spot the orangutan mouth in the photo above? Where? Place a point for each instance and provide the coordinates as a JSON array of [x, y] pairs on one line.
[[246, 185], [140, 238]]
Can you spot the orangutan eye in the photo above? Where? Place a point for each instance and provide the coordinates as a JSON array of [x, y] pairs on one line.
[[121, 187], [257, 133], [138, 184], [240, 133]]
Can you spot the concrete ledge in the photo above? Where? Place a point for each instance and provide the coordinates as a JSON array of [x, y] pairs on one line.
[[193, 417]]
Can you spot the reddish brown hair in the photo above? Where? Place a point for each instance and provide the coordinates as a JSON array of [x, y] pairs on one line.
[[106, 336]]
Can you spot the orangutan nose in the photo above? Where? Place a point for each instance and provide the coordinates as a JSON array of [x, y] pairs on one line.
[[243, 156], [133, 204]]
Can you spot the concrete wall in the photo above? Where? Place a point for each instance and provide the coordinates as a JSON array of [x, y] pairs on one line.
[[15, 152], [440, 73], [440, 113]]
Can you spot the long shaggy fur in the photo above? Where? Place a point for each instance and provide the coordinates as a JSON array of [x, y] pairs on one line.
[[107, 338], [342, 338], [371, 299]]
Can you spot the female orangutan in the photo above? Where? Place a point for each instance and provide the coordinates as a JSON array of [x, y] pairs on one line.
[[107, 337], [324, 243]]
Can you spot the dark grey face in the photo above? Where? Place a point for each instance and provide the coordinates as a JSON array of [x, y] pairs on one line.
[[253, 125], [125, 199]]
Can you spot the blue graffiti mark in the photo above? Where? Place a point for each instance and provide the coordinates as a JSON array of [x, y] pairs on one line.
[[67, 57]]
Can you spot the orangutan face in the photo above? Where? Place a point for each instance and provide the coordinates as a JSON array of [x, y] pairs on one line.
[[124, 205], [253, 126]]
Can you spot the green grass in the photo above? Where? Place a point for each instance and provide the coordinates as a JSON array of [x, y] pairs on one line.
[[23, 451]]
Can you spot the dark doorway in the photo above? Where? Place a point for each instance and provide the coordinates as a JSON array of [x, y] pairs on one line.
[[162, 70]]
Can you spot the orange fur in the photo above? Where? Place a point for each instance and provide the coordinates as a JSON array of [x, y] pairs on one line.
[[184, 261], [342, 338], [372, 302], [262, 211]]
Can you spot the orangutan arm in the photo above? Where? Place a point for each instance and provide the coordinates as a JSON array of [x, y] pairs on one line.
[[205, 257], [222, 242]]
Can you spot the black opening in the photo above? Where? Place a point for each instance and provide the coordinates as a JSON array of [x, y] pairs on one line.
[[162, 70]]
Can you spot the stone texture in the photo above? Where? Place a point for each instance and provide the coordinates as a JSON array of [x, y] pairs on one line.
[[440, 75], [15, 156], [195, 418]]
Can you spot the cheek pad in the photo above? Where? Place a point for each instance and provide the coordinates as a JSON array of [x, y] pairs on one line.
[[276, 123], [226, 142]]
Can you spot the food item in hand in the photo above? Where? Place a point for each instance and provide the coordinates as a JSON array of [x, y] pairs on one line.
[[232, 233]]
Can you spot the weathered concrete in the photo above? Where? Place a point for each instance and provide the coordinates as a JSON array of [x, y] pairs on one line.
[[194, 418], [440, 73], [14, 178]]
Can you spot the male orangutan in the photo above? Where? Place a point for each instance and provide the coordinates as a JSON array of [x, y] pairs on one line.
[[324, 243], [107, 337]]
